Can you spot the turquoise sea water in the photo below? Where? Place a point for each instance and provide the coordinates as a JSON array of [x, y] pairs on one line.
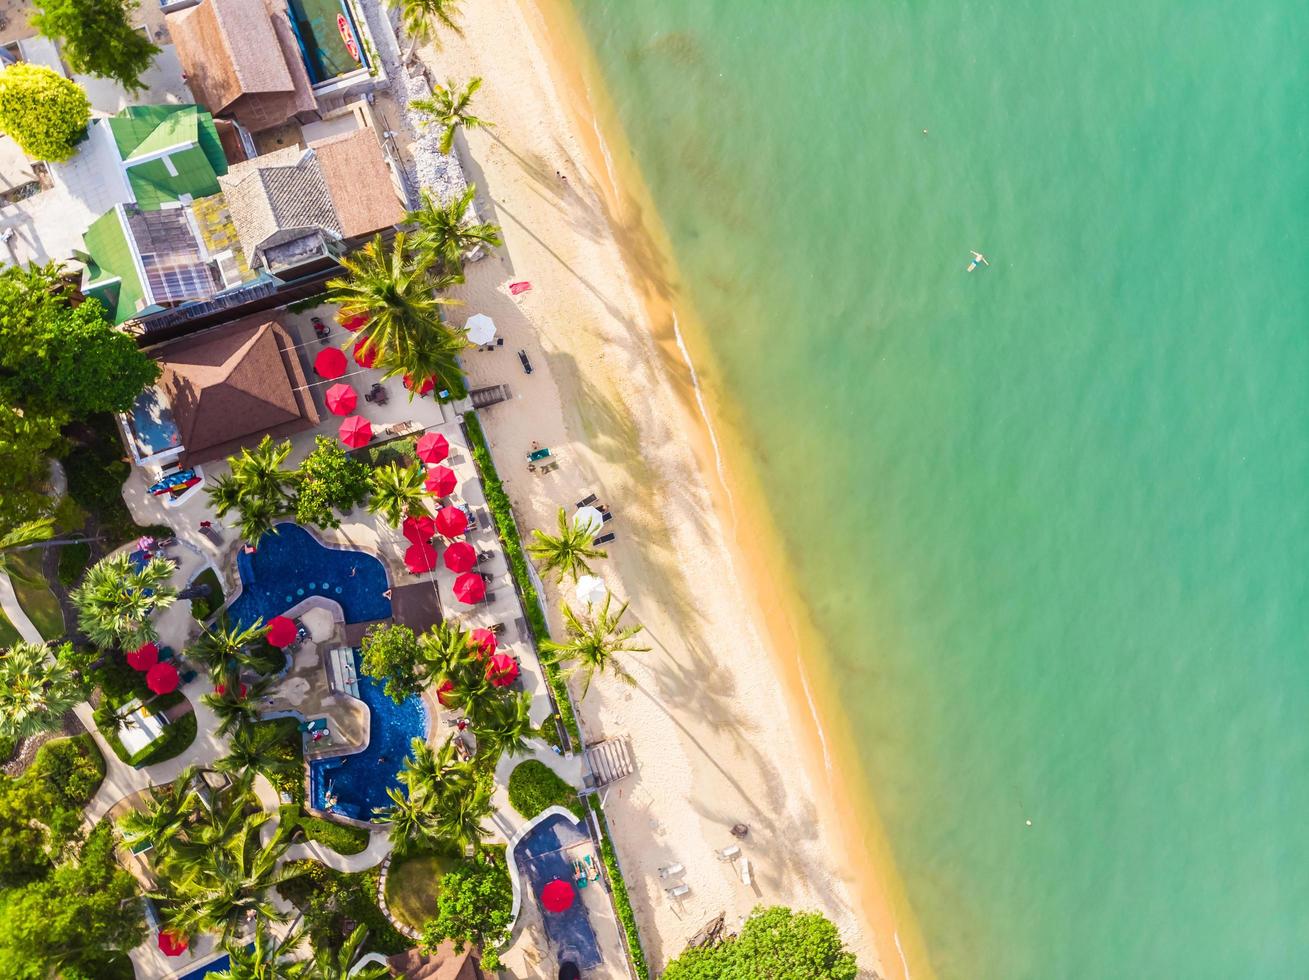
[[1071, 488]]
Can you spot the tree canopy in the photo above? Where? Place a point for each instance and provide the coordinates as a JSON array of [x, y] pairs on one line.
[[97, 38], [45, 113], [474, 907], [392, 654], [329, 482], [794, 945]]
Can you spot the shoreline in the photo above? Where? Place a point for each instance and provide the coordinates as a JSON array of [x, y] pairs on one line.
[[895, 937], [846, 849]]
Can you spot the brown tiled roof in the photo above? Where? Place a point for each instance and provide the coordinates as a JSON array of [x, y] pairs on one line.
[[359, 182], [232, 385], [240, 58], [276, 197], [443, 964]]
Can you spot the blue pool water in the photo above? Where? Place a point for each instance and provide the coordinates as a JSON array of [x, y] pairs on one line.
[[213, 966], [152, 424], [541, 857], [360, 781], [291, 565]]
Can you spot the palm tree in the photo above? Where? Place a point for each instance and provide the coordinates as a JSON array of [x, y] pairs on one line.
[[435, 773], [445, 235], [258, 488], [565, 554], [422, 17], [166, 812], [396, 490], [448, 108], [224, 647], [458, 819], [395, 291], [115, 601], [504, 726], [594, 642], [437, 357], [342, 964], [267, 958], [18, 538], [36, 690], [410, 819], [219, 887], [257, 748], [237, 705]]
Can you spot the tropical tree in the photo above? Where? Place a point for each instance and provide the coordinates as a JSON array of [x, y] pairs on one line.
[[395, 290], [43, 112], [421, 18], [259, 488], [27, 440], [259, 748], [448, 108], [475, 906], [411, 820], [18, 538], [594, 642], [444, 232], [267, 958], [436, 358], [116, 600], [435, 773], [504, 725], [567, 553], [795, 945], [98, 38], [390, 653], [457, 817], [236, 705], [165, 813], [396, 490], [224, 646], [36, 690], [343, 963], [328, 482]]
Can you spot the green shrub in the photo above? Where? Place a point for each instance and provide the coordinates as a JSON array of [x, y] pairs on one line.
[[73, 559], [622, 902], [330, 900], [8, 747], [44, 113], [503, 512], [73, 767], [534, 788], [342, 838]]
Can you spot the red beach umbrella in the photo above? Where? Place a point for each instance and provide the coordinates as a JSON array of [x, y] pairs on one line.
[[501, 670], [420, 557], [443, 691], [484, 641], [330, 362], [432, 447], [171, 943], [440, 481], [143, 657], [418, 527], [470, 589], [557, 896], [427, 385], [451, 521], [355, 321], [365, 353], [356, 432], [341, 399], [460, 556], [281, 631], [162, 678]]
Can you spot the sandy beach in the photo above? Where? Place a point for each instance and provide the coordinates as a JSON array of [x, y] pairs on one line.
[[718, 719]]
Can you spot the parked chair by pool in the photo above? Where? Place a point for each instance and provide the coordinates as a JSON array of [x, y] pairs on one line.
[[593, 868], [603, 539], [587, 501]]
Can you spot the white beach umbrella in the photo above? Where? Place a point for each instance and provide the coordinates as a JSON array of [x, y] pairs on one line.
[[588, 517], [591, 588], [481, 328]]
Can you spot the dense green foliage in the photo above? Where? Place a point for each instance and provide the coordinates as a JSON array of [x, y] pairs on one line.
[[329, 482], [794, 945], [333, 902], [474, 907], [45, 113], [26, 443], [96, 472], [72, 921], [390, 653], [73, 560], [622, 901], [259, 488], [37, 687], [40, 811], [422, 18], [272, 747], [396, 490], [97, 38], [502, 510], [342, 838], [117, 601], [534, 787]]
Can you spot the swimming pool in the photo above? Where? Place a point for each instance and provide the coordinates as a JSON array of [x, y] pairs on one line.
[[359, 782], [291, 565], [541, 856], [329, 38]]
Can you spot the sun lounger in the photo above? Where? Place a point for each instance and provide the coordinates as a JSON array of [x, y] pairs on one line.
[[671, 870], [210, 533], [587, 501], [677, 891], [593, 868], [745, 871], [538, 454], [603, 539], [522, 359], [728, 853]]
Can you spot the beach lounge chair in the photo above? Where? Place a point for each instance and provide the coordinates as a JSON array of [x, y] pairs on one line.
[[671, 870], [729, 853], [587, 501], [593, 868], [538, 454], [677, 891], [746, 877], [522, 359], [211, 533], [603, 539]]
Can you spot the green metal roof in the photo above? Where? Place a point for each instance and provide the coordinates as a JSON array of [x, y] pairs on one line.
[[112, 267], [142, 130]]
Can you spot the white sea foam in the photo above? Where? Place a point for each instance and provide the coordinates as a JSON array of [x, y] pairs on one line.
[[704, 414]]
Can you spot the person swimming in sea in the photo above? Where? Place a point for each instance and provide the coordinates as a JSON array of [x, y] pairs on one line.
[[978, 259]]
